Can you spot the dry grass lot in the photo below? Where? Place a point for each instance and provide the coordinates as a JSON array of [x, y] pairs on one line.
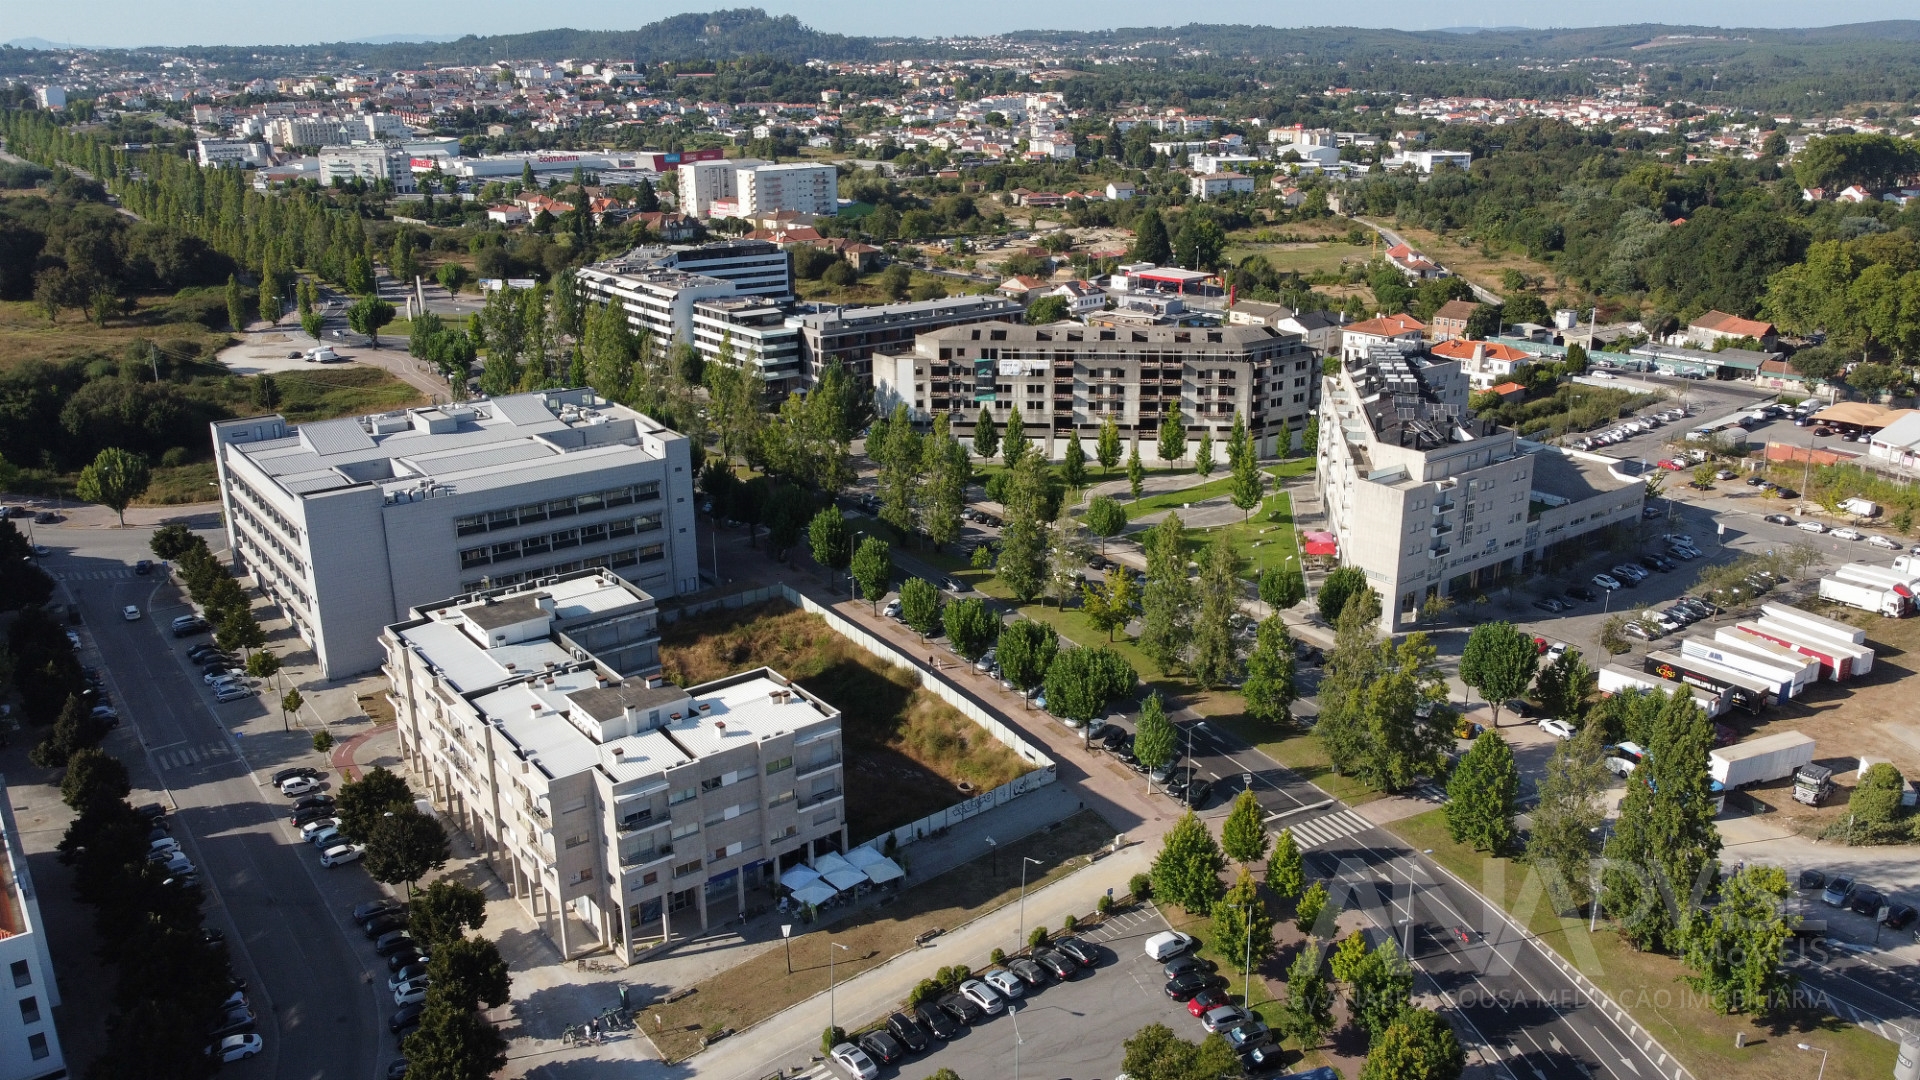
[[25, 333], [907, 751], [761, 987], [1467, 261], [1302, 258]]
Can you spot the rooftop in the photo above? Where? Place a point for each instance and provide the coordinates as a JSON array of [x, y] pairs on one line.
[[1572, 478]]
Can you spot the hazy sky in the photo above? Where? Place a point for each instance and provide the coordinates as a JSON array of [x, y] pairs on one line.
[[248, 22]]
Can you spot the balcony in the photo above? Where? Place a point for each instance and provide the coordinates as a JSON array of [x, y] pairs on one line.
[[817, 767], [649, 855], [817, 798], [1439, 551], [1442, 529], [1441, 507], [640, 820]]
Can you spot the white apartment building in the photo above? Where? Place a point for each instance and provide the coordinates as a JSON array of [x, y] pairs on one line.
[[1221, 163], [1427, 161], [620, 809], [1066, 377], [231, 153], [315, 131], [753, 267], [347, 523], [1216, 185], [1429, 500], [701, 182], [29, 1044], [802, 187], [756, 335], [371, 162]]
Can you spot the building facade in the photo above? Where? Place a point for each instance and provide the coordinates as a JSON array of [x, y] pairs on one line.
[[614, 804], [29, 1045], [1066, 377], [800, 187], [750, 333], [347, 523], [231, 153], [371, 162], [703, 182], [851, 335]]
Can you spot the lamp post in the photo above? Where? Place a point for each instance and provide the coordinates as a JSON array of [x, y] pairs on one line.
[[1024, 860], [1593, 919], [995, 848], [833, 1014], [1013, 1011], [1823, 1060]]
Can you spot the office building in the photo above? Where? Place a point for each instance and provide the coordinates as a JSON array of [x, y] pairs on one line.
[[702, 182], [851, 335], [315, 131], [1431, 501], [748, 332], [1066, 377], [347, 523], [601, 794], [29, 1046], [801, 187], [371, 162], [754, 267], [232, 153]]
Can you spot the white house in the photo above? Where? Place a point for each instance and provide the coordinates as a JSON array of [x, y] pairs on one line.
[[1216, 185], [1081, 296]]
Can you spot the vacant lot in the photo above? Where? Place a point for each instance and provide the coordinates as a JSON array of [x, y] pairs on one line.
[[761, 987], [25, 333], [1302, 258], [1483, 269], [908, 752]]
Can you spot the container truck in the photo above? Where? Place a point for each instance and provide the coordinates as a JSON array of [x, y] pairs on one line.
[[1777, 677], [1793, 616], [1862, 655], [1894, 602], [1869, 574], [1615, 679], [1836, 665], [1806, 668], [1745, 692], [1760, 761], [1812, 784]]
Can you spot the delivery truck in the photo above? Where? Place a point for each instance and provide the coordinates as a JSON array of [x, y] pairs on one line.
[[1861, 507], [1778, 678], [1892, 601], [1615, 679], [1807, 620], [1760, 761], [1869, 574], [1806, 669], [1748, 693]]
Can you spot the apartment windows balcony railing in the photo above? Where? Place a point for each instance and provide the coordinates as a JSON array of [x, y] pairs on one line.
[[812, 767], [1442, 529], [637, 820], [646, 855], [819, 797], [1439, 551]]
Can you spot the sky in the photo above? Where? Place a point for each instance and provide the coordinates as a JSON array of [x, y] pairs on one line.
[[111, 23]]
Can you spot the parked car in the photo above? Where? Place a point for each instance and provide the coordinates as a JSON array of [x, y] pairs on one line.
[[1583, 594], [328, 838], [1057, 965], [1866, 900], [1081, 952], [341, 854], [962, 1009], [231, 1022], [1898, 916], [1180, 965], [1264, 1057], [882, 1047], [1848, 534], [298, 786], [984, 997], [1168, 944], [406, 1019], [1006, 983], [384, 923], [411, 993], [406, 975], [855, 1060], [937, 1021], [1838, 891], [392, 942], [1884, 542], [285, 775], [1031, 972], [1812, 879], [1559, 729], [1248, 1034], [230, 693], [1184, 986], [368, 909], [1811, 526], [1223, 1018], [908, 1032], [313, 828], [236, 1047], [1606, 582]]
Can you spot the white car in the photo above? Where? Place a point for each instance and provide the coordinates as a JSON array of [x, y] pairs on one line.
[[1006, 982], [1556, 650], [1225, 1017], [132, 613], [237, 1047], [1168, 944], [1883, 542], [1604, 375], [1559, 729], [314, 828], [1606, 582], [342, 854], [298, 786], [983, 995], [855, 1060], [165, 844], [232, 691], [1849, 534], [411, 993], [1811, 526], [891, 611]]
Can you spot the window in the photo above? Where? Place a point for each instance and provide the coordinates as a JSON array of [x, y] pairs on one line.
[[566, 538], [681, 832], [560, 508], [37, 1046], [473, 557], [530, 514], [791, 830], [687, 868], [683, 795], [575, 841], [779, 765], [826, 817], [29, 1010], [648, 490], [21, 975], [781, 799], [470, 524], [652, 553], [652, 878]]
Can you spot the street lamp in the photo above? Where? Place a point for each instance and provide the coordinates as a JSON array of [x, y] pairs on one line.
[[1024, 860], [1593, 919], [995, 848], [833, 1015], [1013, 1010], [1823, 1060]]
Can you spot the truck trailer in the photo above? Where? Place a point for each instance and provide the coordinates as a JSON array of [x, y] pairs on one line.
[[1793, 616], [1777, 677], [1760, 761], [1749, 693], [1615, 679], [1836, 663], [1862, 655], [1892, 601], [1806, 669], [1881, 575]]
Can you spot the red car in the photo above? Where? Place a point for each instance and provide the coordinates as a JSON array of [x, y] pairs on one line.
[[1540, 645], [1207, 1000], [1669, 463]]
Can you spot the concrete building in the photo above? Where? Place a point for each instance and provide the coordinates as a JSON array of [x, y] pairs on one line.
[[1487, 364], [51, 97], [231, 153], [315, 131], [1429, 500], [371, 162], [1428, 161], [753, 267], [803, 187], [755, 331], [598, 791], [29, 1045], [1066, 376], [702, 182], [851, 335], [347, 523], [1358, 339], [1217, 185]]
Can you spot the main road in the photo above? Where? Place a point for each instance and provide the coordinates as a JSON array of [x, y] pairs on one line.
[[309, 970]]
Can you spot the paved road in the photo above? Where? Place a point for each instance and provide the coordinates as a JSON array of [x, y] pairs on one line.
[[1485, 296], [284, 920]]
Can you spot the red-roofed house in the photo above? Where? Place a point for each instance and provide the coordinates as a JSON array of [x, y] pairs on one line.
[[1022, 287], [1719, 326], [1450, 321], [1509, 390], [1361, 336], [1413, 264], [1485, 362]]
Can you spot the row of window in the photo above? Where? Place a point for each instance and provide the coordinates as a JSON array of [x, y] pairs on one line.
[[508, 550], [239, 487], [612, 560], [591, 502]]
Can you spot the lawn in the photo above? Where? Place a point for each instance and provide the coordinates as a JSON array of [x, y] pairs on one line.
[[1646, 985], [25, 333], [907, 752], [761, 987], [1210, 489], [342, 391], [868, 289], [1303, 258], [1298, 750], [175, 485]]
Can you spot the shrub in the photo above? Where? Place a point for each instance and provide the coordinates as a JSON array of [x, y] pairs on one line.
[[952, 977], [997, 956], [1104, 904], [831, 1038], [1037, 938], [323, 741], [1141, 886], [174, 457], [1067, 924], [924, 991]]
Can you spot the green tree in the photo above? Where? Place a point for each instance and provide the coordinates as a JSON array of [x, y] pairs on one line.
[[1378, 988], [94, 779], [1150, 242], [1216, 651], [263, 665], [1109, 605], [920, 606], [1105, 518], [444, 911], [1025, 650], [1737, 948], [452, 1043], [290, 703], [948, 472], [470, 973], [75, 729], [1107, 447], [270, 306], [1567, 818], [1310, 435], [901, 456], [1242, 926], [1156, 1053], [363, 802], [367, 315], [1874, 807], [1339, 585], [1564, 686], [1244, 834], [360, 279], [1073, 468], [405, 846], [1664, 849], [829, 541], [451, 276], [1136, 472], [1187, 870], [1048, 309], [115, 478], [1167, 601], [1153, 734], [173, 541], [1286, 867], [872, 566], [1613, 635], [1014, 444], [1483, 795], [1347, 954], [1080, 682], [986, 436], [971, 627], [1499, 661], [1281, 587], [1173, 435], [1311, 913], [1417, 1045], [1404, 724], [1306, 1007], [236, 304], [1203, 455], [1249, 483], [312, 324], [1269, 689]]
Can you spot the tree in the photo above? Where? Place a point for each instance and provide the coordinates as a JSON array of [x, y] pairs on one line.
[[920, 606], [1173, 435], [900, 454], [1242, 926], [1404, 724], [1339, 585], [114, 479], [1025, 649], [1216, 651], [1613, 635], [1105, 518], [270, 307], [1167, 602], [1074, 468], [404, 846], [948, 472], [1153, 734], [827, 538], [1150, 242], [1156, 1053], [172, 541], [1269, 689], [1187, 870], [1665, 848], [1499, 661], [1311, 911], [1564, 686], [1080, 682], [469, 972], [263, 665], [1379, 986], [1874, 807], [1107, 447], [1310, 435], [445, 910], [1286, 867], [290, 703], [1347, 954], [1048, 309], [1417, 1045], [367, 315], [74, 730], [1136, 472], [1109, 605], [452, 1043], [236, 304], [451, 276], [1014, 444], [1249, 483], [1203, 455], [971, 627], [94, 779], [986, 436], [1244, 835], [365, 801], [1737, 947], [873, 569], [1566, 818], [1482, 795], [1281, 587], [312, 324], [1306, 1009]]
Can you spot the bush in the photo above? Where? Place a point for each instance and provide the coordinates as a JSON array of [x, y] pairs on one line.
[[174, 457], [1037, 938], [1067, 924], [323, 741], [924, 991], [951, 977], [832, 1037], [1141, 886], [1104, 904], [997, 956]]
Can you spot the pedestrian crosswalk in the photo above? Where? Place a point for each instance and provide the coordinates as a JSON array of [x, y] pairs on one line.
[[1323, 830], [179, 757], [93, 575], [1118, 924]]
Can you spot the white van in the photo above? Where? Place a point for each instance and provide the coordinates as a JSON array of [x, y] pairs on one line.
[[323, 355]]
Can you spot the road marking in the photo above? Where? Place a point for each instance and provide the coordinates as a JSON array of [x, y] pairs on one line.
[[1325, 830], [192, 755], [1321, 805]]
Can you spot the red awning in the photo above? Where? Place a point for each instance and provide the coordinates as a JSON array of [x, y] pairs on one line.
[[1321, 543]]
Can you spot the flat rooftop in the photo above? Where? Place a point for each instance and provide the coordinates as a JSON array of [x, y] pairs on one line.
[[749, 709], [1571, 478], [441, 636]]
